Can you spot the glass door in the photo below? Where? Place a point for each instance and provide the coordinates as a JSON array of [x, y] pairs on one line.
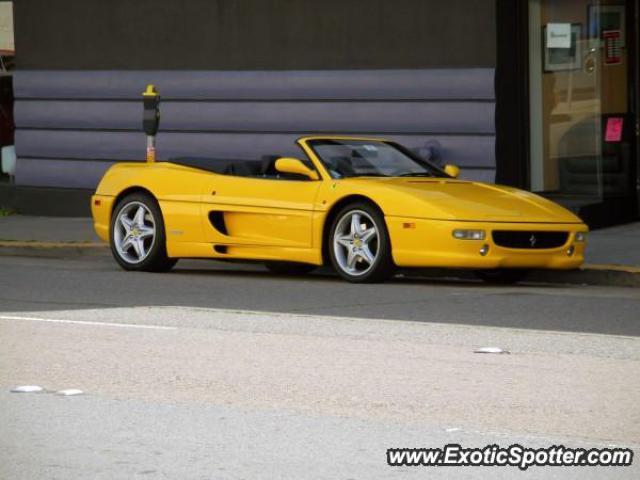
[[583, 87], [566, 105]]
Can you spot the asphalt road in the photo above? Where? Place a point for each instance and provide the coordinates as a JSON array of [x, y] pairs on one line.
[[227, 372], [95, 281]]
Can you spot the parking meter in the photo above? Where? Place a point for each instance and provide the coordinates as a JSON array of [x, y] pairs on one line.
[[151, 119]]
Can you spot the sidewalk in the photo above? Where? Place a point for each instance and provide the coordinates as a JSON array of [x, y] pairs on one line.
[[613, 254], [23, 228], [29, 235], [616, 245]]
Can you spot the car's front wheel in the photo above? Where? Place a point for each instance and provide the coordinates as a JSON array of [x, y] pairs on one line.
[[137, 234], [502, 276], [358, 244]]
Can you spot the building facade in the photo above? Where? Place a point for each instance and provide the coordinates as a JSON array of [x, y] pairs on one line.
[[540, 94]]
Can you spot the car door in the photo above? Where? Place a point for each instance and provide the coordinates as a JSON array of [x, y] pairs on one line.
[[259, 211]]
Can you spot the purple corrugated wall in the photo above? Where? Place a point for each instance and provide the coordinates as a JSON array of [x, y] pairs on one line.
[[72, 125]]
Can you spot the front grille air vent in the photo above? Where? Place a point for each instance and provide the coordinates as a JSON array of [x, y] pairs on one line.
[[529, 239]]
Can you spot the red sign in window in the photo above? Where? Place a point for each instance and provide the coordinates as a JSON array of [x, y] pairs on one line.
[[612, 47], [613, 132]]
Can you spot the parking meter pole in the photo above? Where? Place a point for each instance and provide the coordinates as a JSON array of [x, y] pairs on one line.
[[151, 148], [151, 119]]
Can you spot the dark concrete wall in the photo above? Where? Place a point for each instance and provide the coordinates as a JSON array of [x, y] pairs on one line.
[[254, 34]]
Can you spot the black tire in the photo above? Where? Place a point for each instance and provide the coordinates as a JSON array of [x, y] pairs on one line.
[[382, 267], [156, 259], [289, 268], [502, 276]]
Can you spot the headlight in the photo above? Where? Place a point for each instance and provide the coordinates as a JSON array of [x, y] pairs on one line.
[[469, 234], [581, 236]]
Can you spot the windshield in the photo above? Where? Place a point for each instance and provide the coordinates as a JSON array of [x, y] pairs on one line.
[[370, 158]]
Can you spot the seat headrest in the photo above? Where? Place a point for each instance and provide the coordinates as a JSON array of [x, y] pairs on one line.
[[268, 166]]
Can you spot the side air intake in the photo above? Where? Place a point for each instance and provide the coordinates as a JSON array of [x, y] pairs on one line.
[[217, 221]]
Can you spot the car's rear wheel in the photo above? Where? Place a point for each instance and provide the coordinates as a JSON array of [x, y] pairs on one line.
[[358, 244], [502, 276], [137, 235], [289, 268]]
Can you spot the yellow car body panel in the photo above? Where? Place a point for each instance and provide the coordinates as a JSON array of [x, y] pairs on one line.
[[276, 219]]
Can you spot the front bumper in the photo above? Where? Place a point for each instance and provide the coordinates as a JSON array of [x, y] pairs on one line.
[[430, 243]]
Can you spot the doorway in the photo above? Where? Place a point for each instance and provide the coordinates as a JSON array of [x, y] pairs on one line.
[[583, 106]]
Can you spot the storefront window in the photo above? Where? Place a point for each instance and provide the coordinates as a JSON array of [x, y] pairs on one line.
[[578, 100]]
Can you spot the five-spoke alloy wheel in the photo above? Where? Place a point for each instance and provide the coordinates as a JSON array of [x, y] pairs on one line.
[[137, 235], [134, 232], [359, 244]]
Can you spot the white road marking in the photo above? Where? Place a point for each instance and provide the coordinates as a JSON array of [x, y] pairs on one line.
[[490, 350], [69, 392], [27, 389], [82, 322]]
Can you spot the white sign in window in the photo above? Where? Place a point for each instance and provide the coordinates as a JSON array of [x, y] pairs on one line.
[[558, 35]]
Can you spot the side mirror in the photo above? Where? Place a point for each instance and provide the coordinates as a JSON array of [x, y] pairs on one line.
[[293, 165], [452, 171]]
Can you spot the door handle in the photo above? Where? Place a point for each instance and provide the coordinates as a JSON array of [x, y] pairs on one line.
[[590, 61]]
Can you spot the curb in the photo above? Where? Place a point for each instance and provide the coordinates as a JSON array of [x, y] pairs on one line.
[[52, 249], [592, 274], [589, 274], [598, 275]]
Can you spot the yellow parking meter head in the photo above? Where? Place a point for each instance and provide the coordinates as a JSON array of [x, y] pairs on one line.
[[150, 91], [151, 114]]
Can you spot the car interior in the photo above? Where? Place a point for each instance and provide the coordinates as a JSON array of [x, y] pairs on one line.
[[263, 168]]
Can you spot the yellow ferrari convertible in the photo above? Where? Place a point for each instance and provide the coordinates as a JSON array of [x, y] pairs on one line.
[[365, 206]]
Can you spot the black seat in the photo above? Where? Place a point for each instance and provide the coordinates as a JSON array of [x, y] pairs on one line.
[[268, 167], [237, 167], [265, 168], [243, 169], [215, 165], [343, 165]]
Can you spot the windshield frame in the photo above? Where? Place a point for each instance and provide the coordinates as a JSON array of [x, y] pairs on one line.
[[431, 170]]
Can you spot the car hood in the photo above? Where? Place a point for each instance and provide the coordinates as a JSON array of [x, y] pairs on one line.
[[450, 199]]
